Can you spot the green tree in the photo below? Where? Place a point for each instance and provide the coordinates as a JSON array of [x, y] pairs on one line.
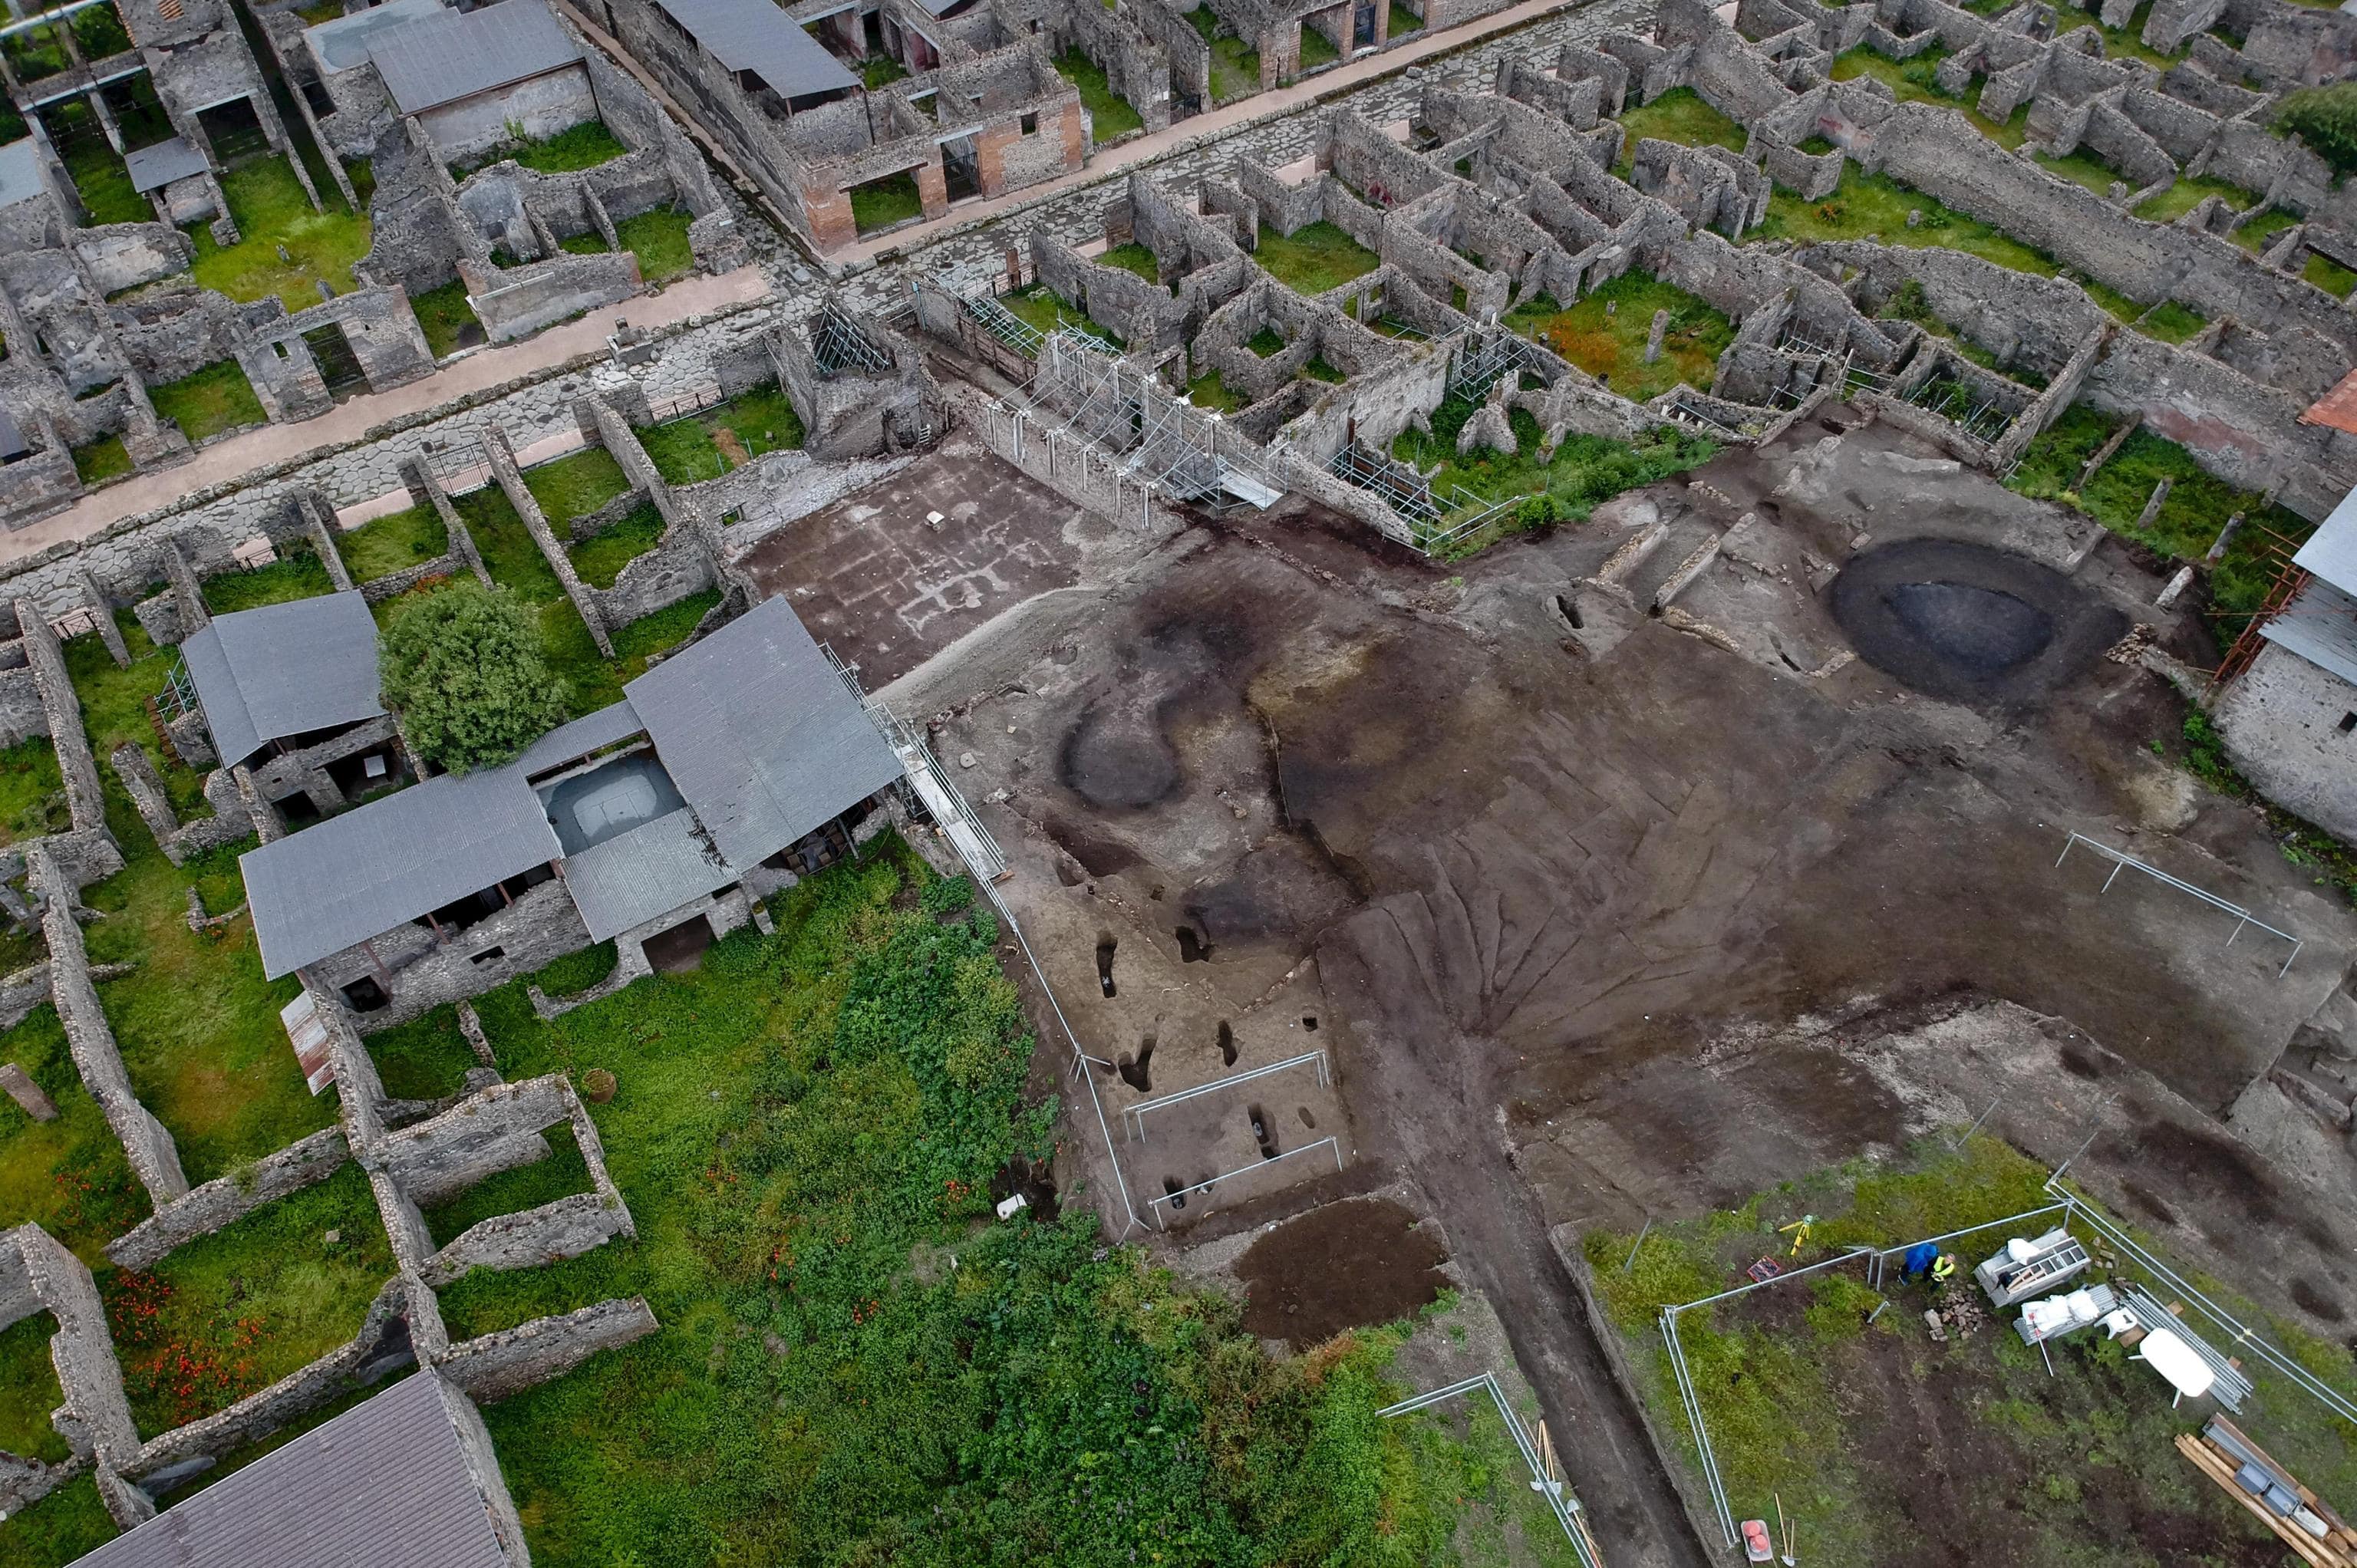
[[464, 669], [2326, 119]]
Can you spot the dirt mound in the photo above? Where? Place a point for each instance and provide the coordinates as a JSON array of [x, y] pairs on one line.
[[1343, 1266], [1969, 623]]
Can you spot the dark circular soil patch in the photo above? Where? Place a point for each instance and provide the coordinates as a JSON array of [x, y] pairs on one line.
[[1346, 1265], [1970, 624]]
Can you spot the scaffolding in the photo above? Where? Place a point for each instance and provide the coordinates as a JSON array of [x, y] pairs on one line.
[[841, 343], [1488, 358], [1155, 436], [1976, 415], [1436, 518], [1682, 412], [1003, 324]]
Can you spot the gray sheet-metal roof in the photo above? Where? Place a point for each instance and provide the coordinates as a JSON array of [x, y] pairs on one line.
[[444, 58], [761, 734], [21, 172], [2320, 623], [571, 742], [283, 669], [345, 880], [755, 35], [343, 43], [385, 1485], [649, 871], [2330, 551], [152, 168]]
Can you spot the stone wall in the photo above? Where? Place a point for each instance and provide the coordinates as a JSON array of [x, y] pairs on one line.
[[203, 1211], [38, 1275], [497, 1365], [550, 1233], [2281, 722], [540, 927]]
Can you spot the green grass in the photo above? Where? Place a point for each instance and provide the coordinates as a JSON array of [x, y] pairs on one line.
[[575, 486], [29, 1391], [1266, 342], [32, 794], [209, 401], [1612, 346], [581, 146], [1039, 307], [68, 1523], [1875, 207], [1110, 114], [69, 1176], [2187, 193], [687, 450], [881, 70], [560, 1175], [2254, 235], [272, 211], [114, 705], [424, 1058], [659, 239], [2018, 1443], [95, 167], [590, 244], [649, 635], [1318, 370], [229, 1314], [1913, 81], [1235, 64], [1209, 391], [600, 558], [1313, 259], [96, 462], [806, 1129], [1678, 115], [2084, 170], [1584, 471], [1404, 21], [1317, 49], [881, 203], [1134, 258], [1463, 1457], [394, 543], [445, 315], [2170, 322], [297, 574], [2197, 507], [2329, 276]]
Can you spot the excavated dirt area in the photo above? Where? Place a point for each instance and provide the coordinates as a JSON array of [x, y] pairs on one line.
[[1345, 1265], [1971, 624], [1591, 912]]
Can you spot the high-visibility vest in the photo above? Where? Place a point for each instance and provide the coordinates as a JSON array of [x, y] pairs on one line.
[[1943, 1266]]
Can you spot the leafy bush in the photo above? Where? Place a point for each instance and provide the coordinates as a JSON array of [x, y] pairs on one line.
[[2326, 119], [465, 668]]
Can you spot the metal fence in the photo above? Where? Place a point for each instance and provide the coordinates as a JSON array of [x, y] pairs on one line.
[[1133, 1117], [1560, 1501], [2125, 862], [682, 405], [1177, 1200]]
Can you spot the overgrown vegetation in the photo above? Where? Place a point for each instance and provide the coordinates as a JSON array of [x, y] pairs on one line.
[[1038, 307], [2203, 752], [464, 668], [1916, 80], [1678, 115], [448, 321], [96, 169], [659, 240], [576, 147], [1809, 1402], [2188, 193], [575, 486], [97, 462], [1875, 207], [1110, 114], [1317, 49], [32, 793], [297, 574], [1606, 334], [1317, 257], [392, 543], [2326, 119], [208, 401], [68, 1175], [274, 214], [1235, 64], [722, 439], [881, 203], [600, 558], [1134, 258], [2189, 519], [1211, 393]]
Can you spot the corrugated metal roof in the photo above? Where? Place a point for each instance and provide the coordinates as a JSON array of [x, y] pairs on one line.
[[343, 43], [755, 35], [761, 734], [571, 742], [21, 172], [2320, 623], [634, 876], [345, 880], [385, 1485], [284, 669], [2330, 551], [152, 168], [441, 59]]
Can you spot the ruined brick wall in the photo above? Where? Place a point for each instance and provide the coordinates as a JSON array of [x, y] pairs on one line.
[[519, 301], [541, 927], [38, 1274], [2281, 722], [497, 1365], [221, 1202]]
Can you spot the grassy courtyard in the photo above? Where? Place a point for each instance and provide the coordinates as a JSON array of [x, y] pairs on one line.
[[1039, 307], [208, 401], [1134, 258], [69, 1176], [708, 444], [883, 203], [32, 794], [384, 545], [448, 321], [1915, 81], [601, 557], [1606, 332], [2187, 523], [1110, 114], [1809, 1396], [575, 486], [102, 461], [576, 147], [271, 213], [1315, 258], [659, 240], [1678, 115], [1235, 64]]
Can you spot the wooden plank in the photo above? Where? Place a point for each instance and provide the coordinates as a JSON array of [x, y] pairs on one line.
[[2216, 1465]]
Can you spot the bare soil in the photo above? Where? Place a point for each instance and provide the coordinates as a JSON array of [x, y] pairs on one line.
[[1346, 1265]]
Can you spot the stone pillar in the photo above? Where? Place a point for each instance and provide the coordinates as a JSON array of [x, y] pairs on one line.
[[1654, 338], [109, 633], [27, 1093], [2152, 507]]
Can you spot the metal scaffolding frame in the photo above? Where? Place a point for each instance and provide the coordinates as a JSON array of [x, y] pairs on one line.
[[1003, 324], [1157, 436], [1490, 356], [1678, 409], [839, 342], [1979, 418], [1434, 519]]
